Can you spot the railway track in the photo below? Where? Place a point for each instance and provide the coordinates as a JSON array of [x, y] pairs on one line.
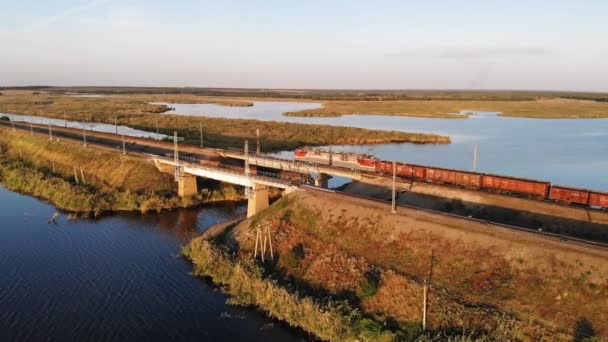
[[553, 236], [135, 148]]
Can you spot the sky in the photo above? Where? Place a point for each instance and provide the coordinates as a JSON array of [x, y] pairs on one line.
[[381, 44]]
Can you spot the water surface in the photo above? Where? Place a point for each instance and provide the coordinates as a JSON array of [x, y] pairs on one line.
[[564, 151], [119, 278], [90, 126]]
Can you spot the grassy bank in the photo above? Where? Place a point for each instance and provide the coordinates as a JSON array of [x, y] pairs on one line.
[[491, 284], [218, 132], [244, 282], [90, 180], [541, 108], [323, 306]]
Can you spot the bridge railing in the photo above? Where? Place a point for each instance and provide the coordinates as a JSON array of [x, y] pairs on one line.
[[235, 170]]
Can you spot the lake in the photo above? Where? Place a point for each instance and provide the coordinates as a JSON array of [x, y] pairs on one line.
[[117, 278], [564, 151]]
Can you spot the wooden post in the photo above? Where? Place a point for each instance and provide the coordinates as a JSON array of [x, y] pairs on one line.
[[65, 121], [394, 206], [13, 121], [124, 147], [50, 131], [53, 161], [84, 136], [82, 176], [257, 236], [115, 124], [270, 243], [76, 175], [31, 129]]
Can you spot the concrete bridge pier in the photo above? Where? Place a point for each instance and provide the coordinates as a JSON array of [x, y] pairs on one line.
[[322, 180], [258, 199], [186, 186]]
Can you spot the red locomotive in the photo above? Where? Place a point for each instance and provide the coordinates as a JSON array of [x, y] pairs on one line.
[[530, 188], [361, 162]]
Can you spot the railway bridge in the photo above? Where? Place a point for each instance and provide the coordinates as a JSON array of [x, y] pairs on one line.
[[256, 186]]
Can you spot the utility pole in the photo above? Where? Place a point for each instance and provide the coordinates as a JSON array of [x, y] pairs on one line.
[[475, 158], [394, 206], [425, 290], [247, 158], [424, 304], [257, 135], [176, 157], [201, 130]]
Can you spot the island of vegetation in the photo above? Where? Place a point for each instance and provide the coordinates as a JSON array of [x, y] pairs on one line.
[[367, 285], [218, 132], [537, 108], [90, 180]]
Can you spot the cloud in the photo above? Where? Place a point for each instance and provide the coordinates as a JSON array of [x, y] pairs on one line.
[[455, 52]]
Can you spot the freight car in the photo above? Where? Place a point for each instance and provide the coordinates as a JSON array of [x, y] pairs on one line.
[[464, 179], [569, 195], [530, 188], [585, 197], [598, 199], [517, 186]]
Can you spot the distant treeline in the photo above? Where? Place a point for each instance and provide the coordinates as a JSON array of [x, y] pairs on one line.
[[591, 98], [334, 95]]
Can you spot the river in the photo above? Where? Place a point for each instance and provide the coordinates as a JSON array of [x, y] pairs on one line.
[[117, 278], [564, 151]]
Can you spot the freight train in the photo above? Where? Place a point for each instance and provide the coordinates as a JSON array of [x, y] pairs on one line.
[[530, 188]]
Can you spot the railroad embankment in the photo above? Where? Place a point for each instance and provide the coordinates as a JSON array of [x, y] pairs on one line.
[[486, 282], [90, 180], [544, 216]]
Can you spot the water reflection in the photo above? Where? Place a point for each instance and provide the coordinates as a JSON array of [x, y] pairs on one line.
[[116, 278]]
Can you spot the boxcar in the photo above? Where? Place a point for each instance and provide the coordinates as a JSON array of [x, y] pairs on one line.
[[385, 167], [598, 199], [447, 176], [521, 186], [569, 195], [419, 172], [403, 170]]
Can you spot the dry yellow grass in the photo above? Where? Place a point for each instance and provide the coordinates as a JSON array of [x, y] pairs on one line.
[[482, 275], [135, 111], [542, 108]]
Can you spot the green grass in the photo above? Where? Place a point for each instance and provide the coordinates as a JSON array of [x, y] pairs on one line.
[[112, 181]]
